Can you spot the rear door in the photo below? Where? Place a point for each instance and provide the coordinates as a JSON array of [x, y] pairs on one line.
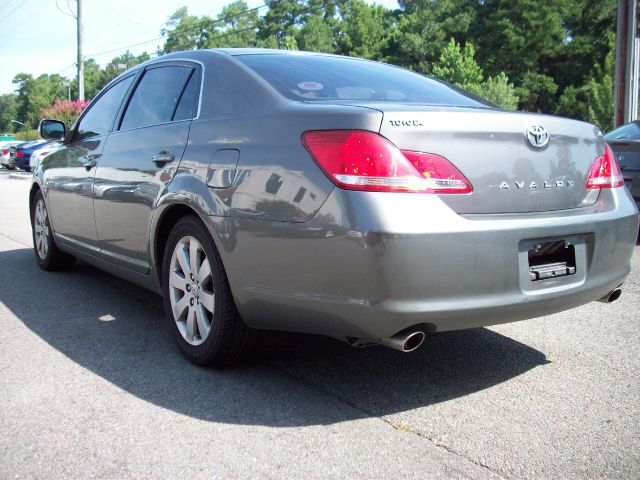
[[140, 157], [69, 171]]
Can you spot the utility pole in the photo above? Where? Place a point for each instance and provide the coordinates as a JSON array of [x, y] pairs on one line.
[[80, 57], [626, 79]]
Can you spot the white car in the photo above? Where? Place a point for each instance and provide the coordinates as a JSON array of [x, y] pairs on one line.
[[5, 145]]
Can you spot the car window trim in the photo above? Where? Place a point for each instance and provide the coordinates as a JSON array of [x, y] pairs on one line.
[[193, 64], [184, 88], [109, 86]]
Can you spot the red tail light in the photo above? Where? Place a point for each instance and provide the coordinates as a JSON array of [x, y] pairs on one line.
[[362, 160], [605, 171], [20, 154], [5, 152]]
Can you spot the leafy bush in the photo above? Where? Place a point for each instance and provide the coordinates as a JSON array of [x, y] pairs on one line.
[[27, 135], [64, 110], [458, 66]]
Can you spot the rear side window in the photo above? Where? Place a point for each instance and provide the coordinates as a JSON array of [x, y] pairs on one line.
[[99, 118], [317, 78], [156, 97], [188, 105]]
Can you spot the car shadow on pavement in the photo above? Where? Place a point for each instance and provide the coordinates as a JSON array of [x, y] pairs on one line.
[[118, 331]]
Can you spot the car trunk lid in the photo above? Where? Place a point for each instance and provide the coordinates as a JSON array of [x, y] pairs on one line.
[[490, 147]]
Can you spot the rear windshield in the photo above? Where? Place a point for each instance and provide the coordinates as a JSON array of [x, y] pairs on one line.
[[317, 78]]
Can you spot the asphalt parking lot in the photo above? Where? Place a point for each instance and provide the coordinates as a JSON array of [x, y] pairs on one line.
[[91, 386]]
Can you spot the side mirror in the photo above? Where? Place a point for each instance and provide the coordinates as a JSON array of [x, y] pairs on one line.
[[52, 129]]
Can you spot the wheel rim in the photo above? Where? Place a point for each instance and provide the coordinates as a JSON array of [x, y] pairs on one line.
[[41, 229], [191, 290]]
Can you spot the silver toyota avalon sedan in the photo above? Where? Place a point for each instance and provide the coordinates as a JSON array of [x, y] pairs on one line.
[[263, 189]]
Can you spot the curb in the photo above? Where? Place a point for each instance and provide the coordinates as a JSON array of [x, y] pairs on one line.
[[22, 176]]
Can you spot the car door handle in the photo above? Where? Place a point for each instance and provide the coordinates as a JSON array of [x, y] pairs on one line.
[[163, 156], [90, 161]]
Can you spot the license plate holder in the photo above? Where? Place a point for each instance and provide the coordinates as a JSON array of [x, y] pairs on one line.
[[551, 259]]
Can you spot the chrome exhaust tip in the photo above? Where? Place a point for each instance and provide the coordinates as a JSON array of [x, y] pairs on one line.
[[405, 341], [612, 297]]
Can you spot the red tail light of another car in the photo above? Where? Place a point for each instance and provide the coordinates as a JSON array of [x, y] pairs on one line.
[[363, 160], [605, 171]]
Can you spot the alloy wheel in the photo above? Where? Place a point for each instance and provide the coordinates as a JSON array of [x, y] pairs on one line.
[[41, 229], [191, 290]]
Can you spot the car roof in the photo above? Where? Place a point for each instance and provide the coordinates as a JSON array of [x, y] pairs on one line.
[[236, 51]]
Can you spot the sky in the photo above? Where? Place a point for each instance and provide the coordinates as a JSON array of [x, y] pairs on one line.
[[39, 36]]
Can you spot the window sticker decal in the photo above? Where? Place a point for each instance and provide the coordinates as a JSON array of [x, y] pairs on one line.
[[310, 86]]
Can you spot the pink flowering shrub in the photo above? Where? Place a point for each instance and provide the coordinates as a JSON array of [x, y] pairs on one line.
[[64, 110]]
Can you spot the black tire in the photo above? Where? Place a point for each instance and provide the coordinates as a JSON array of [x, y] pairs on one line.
[[51, 258], [228, 340]]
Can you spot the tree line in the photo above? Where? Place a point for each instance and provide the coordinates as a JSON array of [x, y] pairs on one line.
[[551, 56]]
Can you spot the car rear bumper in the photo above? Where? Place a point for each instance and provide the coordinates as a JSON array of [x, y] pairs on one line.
[[632, 182], [21, 163], [371, 264]]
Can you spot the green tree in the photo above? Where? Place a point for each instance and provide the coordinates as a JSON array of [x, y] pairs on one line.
[[498, 90], [459, 67], [573, 103], [589, 26], [235, 26], [36, 93], [519, 37], [316, 35], [184, 31], [285, 18], [364, 30], [120, 64], [423, 28], [599, 91], [93, 80], [537, 92], [8, 110]]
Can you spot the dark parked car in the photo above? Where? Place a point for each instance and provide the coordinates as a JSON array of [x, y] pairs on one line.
[[625, 143], [19, 155], [261, 189]]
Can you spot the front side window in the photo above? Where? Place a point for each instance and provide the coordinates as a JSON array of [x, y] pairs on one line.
[[100, 116], [156, 97]]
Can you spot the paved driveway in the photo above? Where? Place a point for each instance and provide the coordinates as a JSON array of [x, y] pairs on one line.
[[91, 385]]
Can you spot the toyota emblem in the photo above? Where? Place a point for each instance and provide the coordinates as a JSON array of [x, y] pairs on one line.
[[537, 136]]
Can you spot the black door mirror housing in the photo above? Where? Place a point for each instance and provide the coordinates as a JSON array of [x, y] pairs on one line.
[[52, 129]]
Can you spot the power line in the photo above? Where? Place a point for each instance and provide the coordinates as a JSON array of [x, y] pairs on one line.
[[6, 5], [192, 29], [11, 13], [8, 26], [66, 14], [197, 27]]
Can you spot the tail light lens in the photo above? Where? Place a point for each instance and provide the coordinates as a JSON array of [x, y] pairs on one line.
[[362, 160], [605, 171], [5, 152], [19, 154]]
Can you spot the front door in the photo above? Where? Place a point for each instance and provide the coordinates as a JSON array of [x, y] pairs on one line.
[[69, 172]]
